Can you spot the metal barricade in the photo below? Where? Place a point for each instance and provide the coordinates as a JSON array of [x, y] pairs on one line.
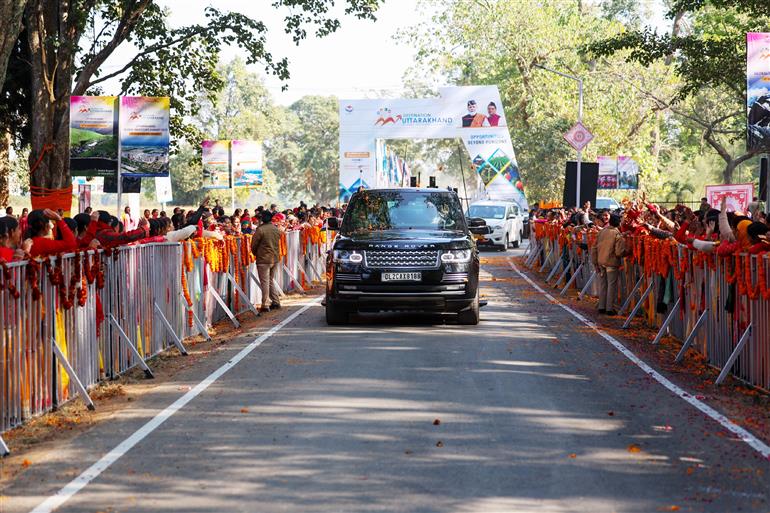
[[87, 317], [715, 305]]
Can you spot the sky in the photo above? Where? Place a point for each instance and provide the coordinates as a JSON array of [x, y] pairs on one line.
[[361, 57], [361, 60]]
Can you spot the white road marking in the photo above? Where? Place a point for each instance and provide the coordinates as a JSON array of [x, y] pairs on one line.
[[56, 500], [754, 442]]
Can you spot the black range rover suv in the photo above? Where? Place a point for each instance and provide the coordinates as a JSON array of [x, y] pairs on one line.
[[403, 250]]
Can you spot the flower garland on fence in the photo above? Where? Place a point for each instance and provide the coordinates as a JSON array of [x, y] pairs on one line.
[[762, 278], [662, 256], [8, 282], [187, 266]]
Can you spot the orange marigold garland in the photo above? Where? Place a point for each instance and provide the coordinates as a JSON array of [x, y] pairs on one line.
[[751, 290], [8, 282], [187, 298], [762, 278]]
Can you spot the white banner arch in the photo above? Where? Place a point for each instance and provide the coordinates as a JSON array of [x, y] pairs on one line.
[[473, 113]]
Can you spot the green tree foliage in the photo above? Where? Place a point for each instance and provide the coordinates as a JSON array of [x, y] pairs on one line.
[[304, 154], [69, 44], [500, 42], [706, 47]]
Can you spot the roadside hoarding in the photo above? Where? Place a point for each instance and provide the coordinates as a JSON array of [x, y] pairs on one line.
[[93, 135], [246, 160], [216, 165], [608, 173], [144, 136], [628, 173], [758, 91]]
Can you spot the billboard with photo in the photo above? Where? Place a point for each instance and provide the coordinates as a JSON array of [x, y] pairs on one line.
[[628, 173], [608, 173], [474, 114], [216, 165], [93, 135], [758, 91], [246, 161], [144, 136]]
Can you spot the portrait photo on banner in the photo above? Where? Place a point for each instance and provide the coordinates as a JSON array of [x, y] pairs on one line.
[[480, 114]]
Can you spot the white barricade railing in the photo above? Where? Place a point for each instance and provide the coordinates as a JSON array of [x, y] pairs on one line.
[[710, 303], [83, 318]]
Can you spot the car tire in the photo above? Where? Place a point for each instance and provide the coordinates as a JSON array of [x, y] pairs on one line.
[[335, 317], [515, 244], [470, 317], [506, 243]]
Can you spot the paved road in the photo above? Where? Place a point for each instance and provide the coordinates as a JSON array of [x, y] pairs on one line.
[[535, 414]]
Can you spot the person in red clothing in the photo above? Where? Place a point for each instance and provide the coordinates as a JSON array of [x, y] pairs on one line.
[[39, 231], [109, 238], [23, 219], [10, 238], [86, 230]]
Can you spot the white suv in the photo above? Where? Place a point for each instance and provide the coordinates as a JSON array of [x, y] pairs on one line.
[[503, 218]]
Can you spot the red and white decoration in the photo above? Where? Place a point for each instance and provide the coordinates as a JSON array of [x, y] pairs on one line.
[[738, 196], [579, 136]]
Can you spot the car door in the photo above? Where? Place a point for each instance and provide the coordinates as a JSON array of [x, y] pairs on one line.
[[513, 222]]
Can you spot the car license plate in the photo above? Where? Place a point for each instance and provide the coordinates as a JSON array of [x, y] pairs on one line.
[[401, 276]]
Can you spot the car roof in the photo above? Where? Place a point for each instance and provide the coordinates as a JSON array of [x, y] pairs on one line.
[[408, 189], [493, 202]]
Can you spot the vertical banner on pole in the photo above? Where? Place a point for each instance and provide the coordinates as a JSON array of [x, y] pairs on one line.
[[163, 192], [93, 135], [628, 173], [758, 91], [84, 197], [216, 165], [246, 159], [144, 136], [608, 173]]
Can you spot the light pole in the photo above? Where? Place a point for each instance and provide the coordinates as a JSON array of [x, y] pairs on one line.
[[580, 120]]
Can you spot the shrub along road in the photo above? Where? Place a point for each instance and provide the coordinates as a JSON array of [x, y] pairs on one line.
[[529, 411]]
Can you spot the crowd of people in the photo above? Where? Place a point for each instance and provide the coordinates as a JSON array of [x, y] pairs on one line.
[[610, 232], [45, 232]]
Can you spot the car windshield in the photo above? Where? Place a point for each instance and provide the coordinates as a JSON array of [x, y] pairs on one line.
[[403, 210], [486, 211]]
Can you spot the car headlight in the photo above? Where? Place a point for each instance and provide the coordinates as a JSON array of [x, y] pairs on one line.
[[497, 227], [348, 256], [456, 256]]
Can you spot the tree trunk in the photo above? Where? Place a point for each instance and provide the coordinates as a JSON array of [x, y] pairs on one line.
[[729, 171], [5, 168], [52, 72], [11, 13]]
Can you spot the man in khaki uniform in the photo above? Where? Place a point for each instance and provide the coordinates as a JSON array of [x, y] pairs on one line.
[[265, 245], [606, 255]]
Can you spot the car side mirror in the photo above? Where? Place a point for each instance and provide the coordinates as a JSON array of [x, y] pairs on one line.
[[476, 222], [511, 216], [333, 223]]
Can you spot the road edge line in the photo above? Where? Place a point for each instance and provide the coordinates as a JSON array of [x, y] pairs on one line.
[[744, 435], [54, 501]]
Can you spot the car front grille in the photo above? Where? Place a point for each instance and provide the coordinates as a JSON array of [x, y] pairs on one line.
[[402, 259]]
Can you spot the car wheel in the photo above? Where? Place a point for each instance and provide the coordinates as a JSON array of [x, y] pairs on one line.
[[470, 317], [334, 317], [515, 244], [506, 243]]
